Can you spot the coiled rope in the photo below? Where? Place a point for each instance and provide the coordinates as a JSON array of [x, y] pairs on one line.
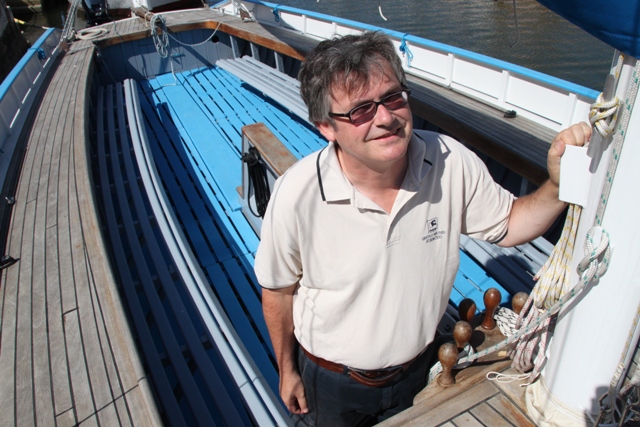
[[258, 180], [161, 39], [91, 33]]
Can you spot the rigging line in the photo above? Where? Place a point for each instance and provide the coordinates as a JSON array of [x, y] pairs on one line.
[[515, 18]]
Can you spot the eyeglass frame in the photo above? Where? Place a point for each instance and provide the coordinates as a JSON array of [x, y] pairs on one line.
[[377, 104]]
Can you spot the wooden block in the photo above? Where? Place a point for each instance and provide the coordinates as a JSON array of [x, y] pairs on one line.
[[273, 152]]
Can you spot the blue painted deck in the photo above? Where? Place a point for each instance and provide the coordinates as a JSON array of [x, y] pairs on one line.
[[194, 128]]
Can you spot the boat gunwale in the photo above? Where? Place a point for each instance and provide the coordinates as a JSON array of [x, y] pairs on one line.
[[537, 76]]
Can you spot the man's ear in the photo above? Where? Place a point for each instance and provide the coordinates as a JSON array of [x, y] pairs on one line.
[[327, 130]]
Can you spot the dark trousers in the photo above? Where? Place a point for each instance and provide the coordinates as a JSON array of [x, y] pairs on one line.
[[336, 399]]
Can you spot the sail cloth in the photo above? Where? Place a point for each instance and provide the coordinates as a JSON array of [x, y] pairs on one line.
[[616, 23]]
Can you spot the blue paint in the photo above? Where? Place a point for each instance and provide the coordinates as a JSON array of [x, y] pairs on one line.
[[36, 49]]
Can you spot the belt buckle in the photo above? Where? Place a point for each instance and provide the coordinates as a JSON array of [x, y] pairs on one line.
[[376, 378]]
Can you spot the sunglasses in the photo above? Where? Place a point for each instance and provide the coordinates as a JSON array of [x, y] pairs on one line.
[[367, 111]]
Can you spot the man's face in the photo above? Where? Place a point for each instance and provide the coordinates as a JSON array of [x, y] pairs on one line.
[[379, 143]]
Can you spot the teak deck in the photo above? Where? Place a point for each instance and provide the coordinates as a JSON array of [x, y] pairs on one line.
[[67, 356]]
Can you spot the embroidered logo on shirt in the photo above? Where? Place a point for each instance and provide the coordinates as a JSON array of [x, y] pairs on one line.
[[432, 231]]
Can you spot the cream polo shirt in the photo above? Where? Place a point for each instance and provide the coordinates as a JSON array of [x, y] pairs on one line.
[[373, 286]]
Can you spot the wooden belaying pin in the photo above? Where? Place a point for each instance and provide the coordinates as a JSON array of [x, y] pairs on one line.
[[492, 299]]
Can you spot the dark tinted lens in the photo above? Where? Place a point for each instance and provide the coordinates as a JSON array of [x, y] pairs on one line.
[[395, 100], [363, 113]]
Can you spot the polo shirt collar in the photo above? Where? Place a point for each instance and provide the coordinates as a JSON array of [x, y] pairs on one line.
[[334, 185]]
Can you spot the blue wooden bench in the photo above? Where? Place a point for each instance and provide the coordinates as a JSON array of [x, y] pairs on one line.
[[199, 377], [278, 86]]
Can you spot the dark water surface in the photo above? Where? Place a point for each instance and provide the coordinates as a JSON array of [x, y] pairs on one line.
[[545, 41]]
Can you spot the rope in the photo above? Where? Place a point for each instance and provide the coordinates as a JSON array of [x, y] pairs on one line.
[[69, 23], [506, 320], [404, 48], [161, 40], [599, 255], [258, 179], [276, 13], [600, 113], [91, 33]]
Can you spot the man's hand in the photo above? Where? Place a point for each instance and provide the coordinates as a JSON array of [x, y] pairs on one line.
[[277, 306], [292, 393], [577, 134], [534, 213]]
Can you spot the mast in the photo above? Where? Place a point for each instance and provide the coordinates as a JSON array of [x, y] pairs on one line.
[[593, 330]]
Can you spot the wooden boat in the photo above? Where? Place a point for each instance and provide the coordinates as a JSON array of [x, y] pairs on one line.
[[128, 295]]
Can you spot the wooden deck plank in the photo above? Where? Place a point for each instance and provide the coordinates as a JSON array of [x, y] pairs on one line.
[[25, 405], [66, 418], [507, 409], [513, 390], [123, 411], [467, 420], [57, 348], [488, 416], [444, 412], [78, 376], [89, 363], [43, 388]]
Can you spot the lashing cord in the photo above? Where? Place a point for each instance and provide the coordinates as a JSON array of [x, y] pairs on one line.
[[259, 180]]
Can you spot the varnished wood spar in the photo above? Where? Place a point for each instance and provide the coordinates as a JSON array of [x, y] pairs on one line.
[[284, 42]]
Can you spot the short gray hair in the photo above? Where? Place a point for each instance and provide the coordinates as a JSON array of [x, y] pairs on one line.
[[344, 63]]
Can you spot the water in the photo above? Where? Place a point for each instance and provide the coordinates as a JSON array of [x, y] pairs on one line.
[[545, 41]]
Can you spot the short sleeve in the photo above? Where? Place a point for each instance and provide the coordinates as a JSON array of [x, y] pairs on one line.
[[277, 263], [488, 205]]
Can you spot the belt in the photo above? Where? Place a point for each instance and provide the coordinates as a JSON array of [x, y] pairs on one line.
[[372, 378]]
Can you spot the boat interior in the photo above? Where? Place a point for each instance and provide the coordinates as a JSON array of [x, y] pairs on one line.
[[133, 299]]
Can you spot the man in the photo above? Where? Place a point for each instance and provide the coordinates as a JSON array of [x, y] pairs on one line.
[[359, 244]]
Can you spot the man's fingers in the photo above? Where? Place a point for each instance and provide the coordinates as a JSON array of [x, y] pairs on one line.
[[577, 134], [302, 403]]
